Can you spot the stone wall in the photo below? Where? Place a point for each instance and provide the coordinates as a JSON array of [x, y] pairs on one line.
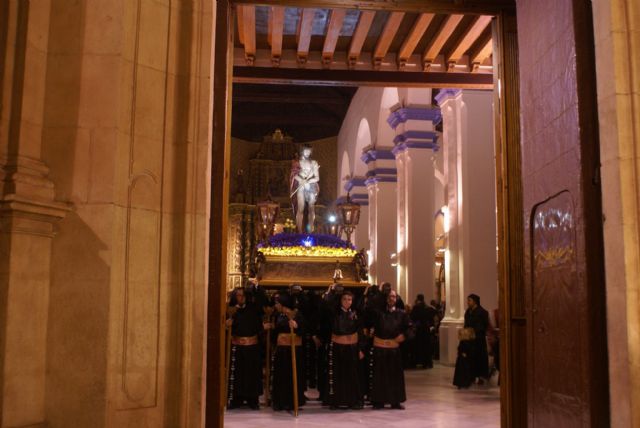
[[105, 121], [617, 42]]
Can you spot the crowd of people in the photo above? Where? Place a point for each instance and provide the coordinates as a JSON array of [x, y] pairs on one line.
[[352, 347]]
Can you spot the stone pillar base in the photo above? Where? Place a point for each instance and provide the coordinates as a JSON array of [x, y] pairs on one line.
[[449, 341]]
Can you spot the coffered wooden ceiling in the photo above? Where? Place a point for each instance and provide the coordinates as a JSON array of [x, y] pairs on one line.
[[282, 44]]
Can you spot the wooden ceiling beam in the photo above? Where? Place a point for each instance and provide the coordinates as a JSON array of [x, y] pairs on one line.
[[477, 7], [465, 42], [333, 32], [276, 27], [240, 16], [267, 98], [359, 36], [386, 37], [356, 78], [444, 32], [477, 58], [413, 38], [247, 27], [304, 34]]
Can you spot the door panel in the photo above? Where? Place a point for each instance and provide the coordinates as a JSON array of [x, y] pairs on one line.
[[555, 315], [566, 329]]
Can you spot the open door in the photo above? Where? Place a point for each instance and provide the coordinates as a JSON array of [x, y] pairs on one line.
[[564, 271]]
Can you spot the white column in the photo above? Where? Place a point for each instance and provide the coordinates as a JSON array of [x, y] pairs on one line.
[[381, 188], [415, 143], [359, 194], [469, 169]]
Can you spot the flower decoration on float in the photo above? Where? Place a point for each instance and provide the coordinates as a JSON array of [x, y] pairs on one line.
[[289, 226], [306, 245]]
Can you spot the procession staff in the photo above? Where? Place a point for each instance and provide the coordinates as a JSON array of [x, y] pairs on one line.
[[288, 344], [245, 368], [390, 328], [294, 372]]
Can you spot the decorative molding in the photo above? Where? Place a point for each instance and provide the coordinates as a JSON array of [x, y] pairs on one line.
[[381, 179], [415, 140], [404, 114], [419, 136], [377, 154], [446, 94], [382, 171], [354, 182]]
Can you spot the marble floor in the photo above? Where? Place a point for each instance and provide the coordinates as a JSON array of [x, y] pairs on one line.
[[432, 403]]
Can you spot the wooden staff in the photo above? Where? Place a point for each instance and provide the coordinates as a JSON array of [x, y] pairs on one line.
[[230, 312], [294, 369], [267, 370]]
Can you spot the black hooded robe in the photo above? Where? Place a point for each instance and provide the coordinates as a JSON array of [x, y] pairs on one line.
[[281, 373], [478, 319], [245, 370], [345, 387], [387, 375]]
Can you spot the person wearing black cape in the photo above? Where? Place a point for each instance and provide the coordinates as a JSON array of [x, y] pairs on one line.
[[387, 377], [281, 373], [477, 318], [345, 353], [245, 371]]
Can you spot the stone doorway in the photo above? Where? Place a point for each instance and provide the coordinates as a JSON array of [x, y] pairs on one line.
[[504, 34]]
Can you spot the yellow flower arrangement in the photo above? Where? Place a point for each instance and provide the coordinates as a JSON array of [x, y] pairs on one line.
[[304, 251]]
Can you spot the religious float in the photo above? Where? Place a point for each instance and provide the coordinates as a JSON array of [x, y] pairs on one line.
[[312, 260], [280, 235]]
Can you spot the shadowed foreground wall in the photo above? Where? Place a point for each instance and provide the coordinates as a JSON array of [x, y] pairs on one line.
[[105, 124]]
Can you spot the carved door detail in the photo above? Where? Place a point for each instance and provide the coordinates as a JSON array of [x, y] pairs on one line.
[[556, 303]]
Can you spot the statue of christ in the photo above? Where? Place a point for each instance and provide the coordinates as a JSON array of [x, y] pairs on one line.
[[304, 187]]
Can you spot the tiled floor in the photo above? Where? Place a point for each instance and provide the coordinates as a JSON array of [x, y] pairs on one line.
[[432, 403]]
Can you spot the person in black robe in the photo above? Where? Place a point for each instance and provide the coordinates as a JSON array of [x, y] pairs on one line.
[[344, 355], [463, 375], [424, 319], [245, 370], [477, 318], [369, 311], [390, 328], [330, 300], [281, 363]]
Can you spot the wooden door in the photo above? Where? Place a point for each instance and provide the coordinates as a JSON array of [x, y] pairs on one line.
[[564, 273]]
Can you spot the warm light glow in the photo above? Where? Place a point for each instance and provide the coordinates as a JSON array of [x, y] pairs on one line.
[[394, 259], [445, 212]]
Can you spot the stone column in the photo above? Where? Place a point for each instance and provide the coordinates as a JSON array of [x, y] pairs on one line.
[[470, 222], [381, 187], [358, 190], [415, 142], [28, 214]]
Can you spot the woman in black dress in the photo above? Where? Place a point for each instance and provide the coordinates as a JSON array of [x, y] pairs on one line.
[[345, 352]]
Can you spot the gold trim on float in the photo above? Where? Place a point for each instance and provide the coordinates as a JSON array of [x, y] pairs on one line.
[[286, 282], [309, 259]]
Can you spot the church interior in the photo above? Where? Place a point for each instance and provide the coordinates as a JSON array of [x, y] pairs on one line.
[[161, 160]]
